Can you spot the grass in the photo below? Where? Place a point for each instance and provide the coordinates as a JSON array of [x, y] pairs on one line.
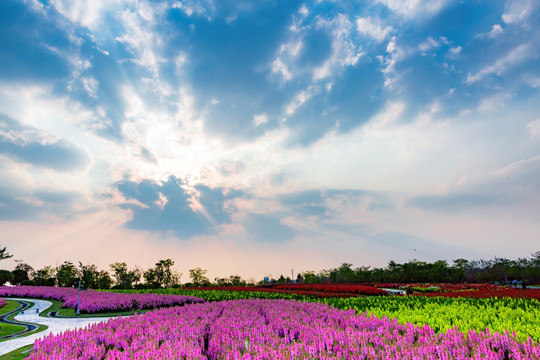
[[9, 329], [10, 306], [17, 354]]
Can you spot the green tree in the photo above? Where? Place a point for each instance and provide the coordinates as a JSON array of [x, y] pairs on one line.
[[310, 277], [45, 276], [19, 276], [439, 271], [89, 275], [459, 270], [162, 275], [236, 280], [343, 274], [29, 270], [198, 277], [67, 274], [103, 280], [123, 277], [5, 276]]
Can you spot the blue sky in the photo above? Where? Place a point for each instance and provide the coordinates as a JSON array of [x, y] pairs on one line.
[[258, 137]]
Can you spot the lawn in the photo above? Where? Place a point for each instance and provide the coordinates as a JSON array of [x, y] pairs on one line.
[[8, 329]]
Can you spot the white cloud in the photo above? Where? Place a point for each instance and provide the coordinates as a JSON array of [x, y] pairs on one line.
[[429, 44], [139, 36], [279, 67], [517, 10], [345, 51], [203, 8], [516, 165], [395, 54], [87, 13], [303, 10], [90, 85], [179, 63], [494, 102], [495, 31], [534, 128], [389, 117], [28, 136], [300, 99], [534, 82], [37, 6], [287, 55], [514, 57], [260, 119], [456, 50], [414, 8], [372, 27]]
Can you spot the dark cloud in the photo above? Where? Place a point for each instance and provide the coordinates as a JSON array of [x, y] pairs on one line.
[[13, 208], [23, 205], [169, 206], [37, 147], [305, 203], [315, 202]]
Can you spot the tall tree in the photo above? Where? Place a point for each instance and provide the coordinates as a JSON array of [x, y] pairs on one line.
[[198, 277], [45, 276], [67, 274], [162, 275], [89, 275], [125, 278], [103, 280], [29, 270]]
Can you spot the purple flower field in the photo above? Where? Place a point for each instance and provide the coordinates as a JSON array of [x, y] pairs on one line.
[[2, 303], [97, 301], [272, 329]]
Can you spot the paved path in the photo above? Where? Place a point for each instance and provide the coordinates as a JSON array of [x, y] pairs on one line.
[[395, 291], [55, 325]]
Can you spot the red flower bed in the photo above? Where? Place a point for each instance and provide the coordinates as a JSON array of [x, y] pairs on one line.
[[470, 290], [484, 293], [319, 290], [334, 288]]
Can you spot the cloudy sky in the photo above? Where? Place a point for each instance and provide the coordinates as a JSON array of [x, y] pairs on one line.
[[256, 137]]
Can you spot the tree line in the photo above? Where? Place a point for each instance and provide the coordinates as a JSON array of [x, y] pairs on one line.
[[501, 270], [162, 275], [119, 276]]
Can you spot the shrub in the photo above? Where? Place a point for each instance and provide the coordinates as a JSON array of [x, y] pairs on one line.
[[28, 283], [5, 276]]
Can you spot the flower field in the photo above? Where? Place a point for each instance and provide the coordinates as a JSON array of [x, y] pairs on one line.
[[273, 329], [519, 315], [2, 303], [296, 325], [97, 301]]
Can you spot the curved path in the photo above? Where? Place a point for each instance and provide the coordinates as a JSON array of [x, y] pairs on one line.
[[55, 325]]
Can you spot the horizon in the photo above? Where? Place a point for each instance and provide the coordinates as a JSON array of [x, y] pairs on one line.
[[253, 139]]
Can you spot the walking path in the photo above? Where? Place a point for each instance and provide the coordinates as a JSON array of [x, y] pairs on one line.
[[55, 325]]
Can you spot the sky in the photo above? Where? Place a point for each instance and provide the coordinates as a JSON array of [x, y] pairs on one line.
[[260, 137]]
